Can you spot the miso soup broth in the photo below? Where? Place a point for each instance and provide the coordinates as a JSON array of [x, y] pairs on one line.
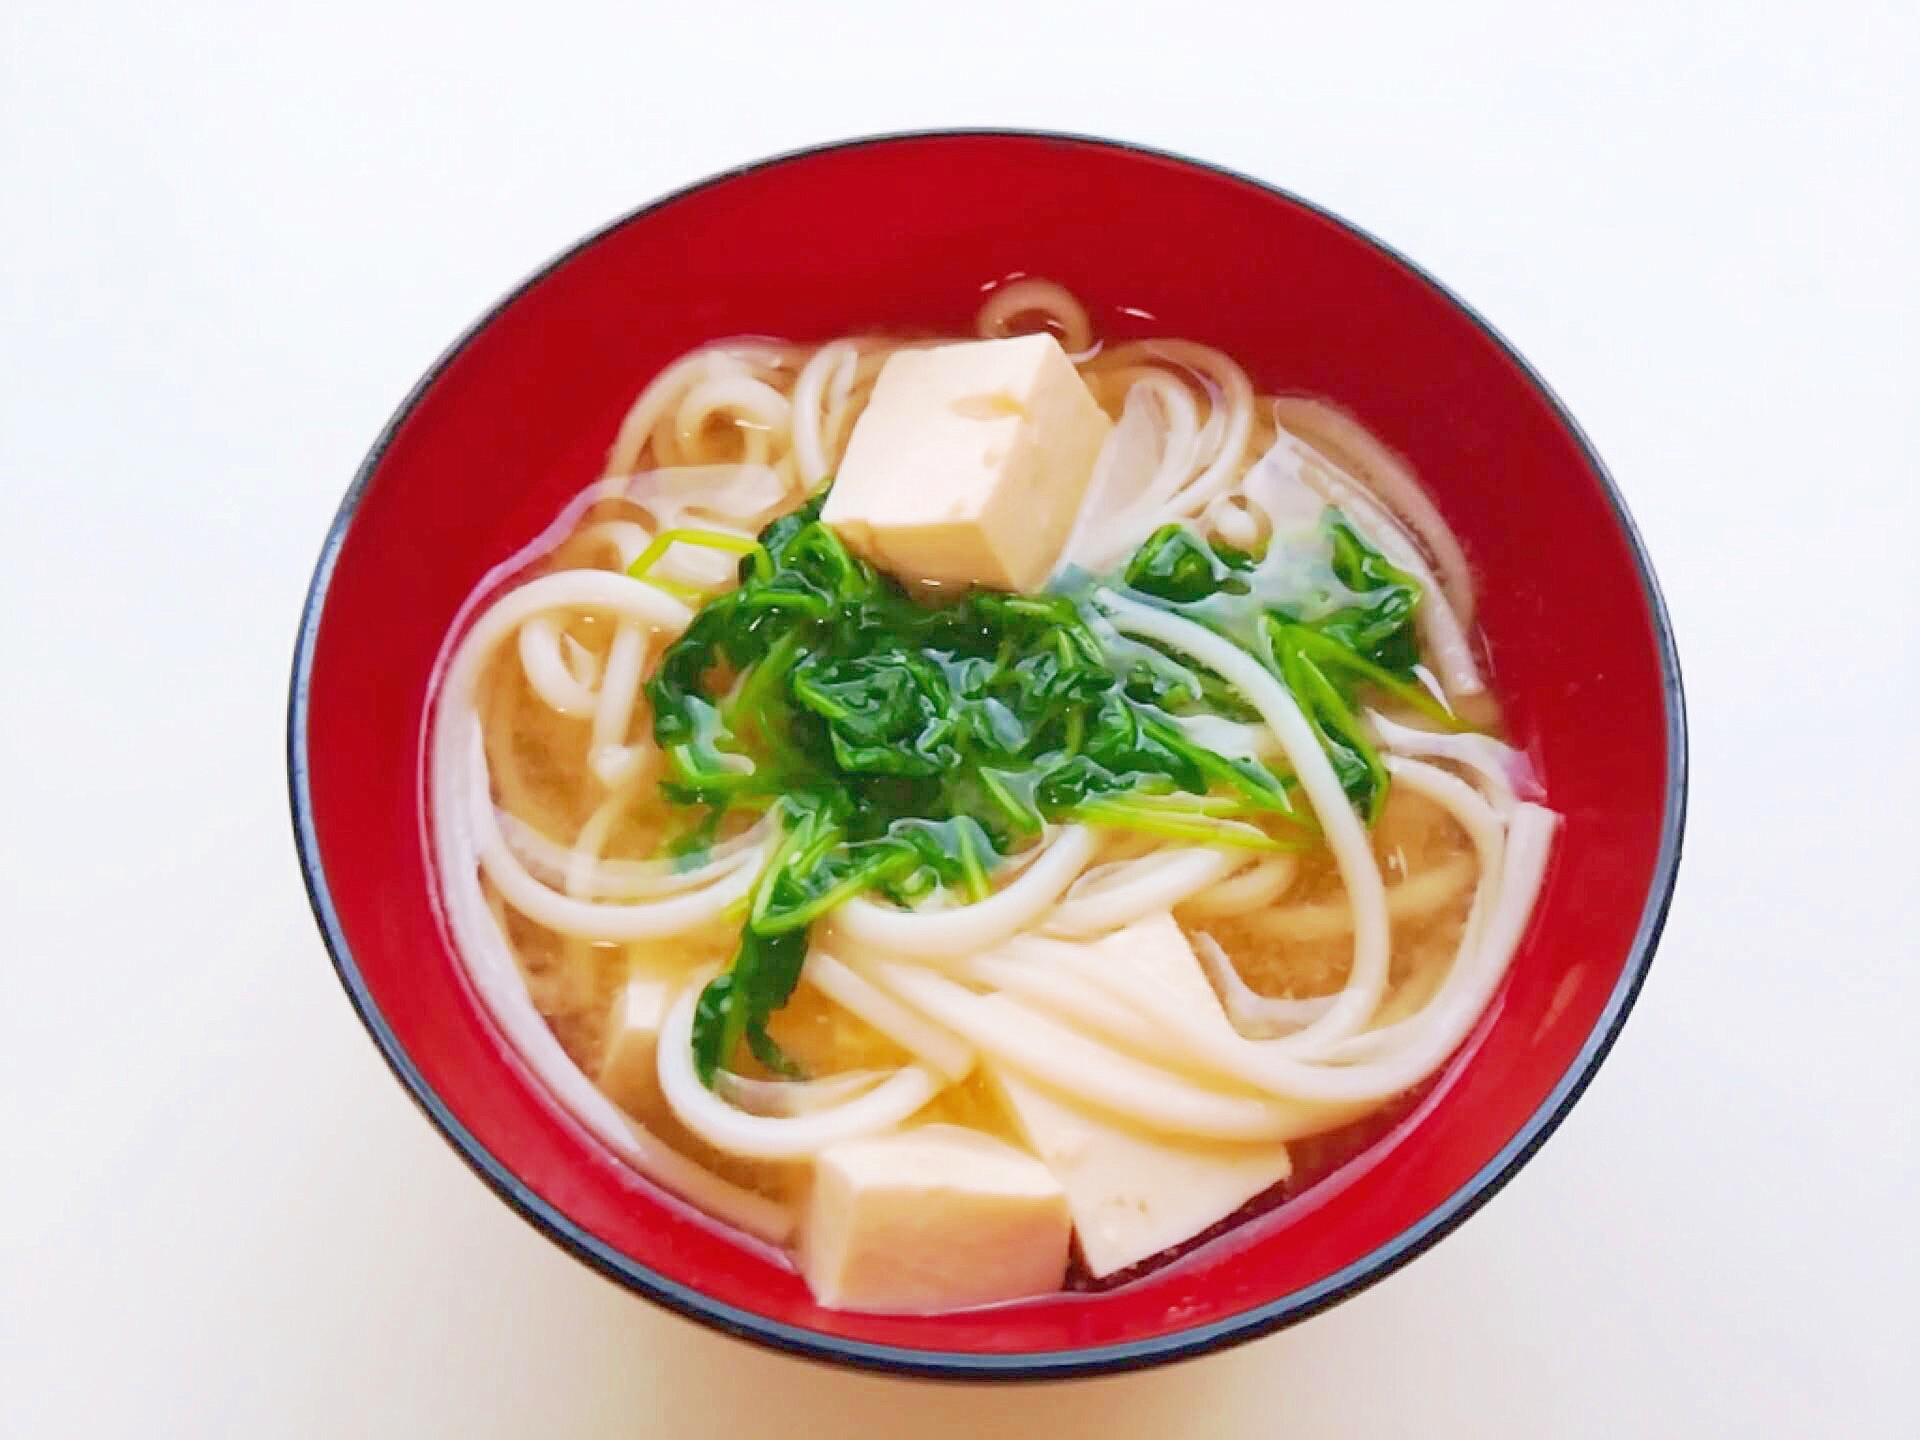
[[982, 812]]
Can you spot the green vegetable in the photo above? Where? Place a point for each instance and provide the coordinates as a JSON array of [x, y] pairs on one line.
[[1326, 623], [1369, 641], [1176, 564], [736, 1004], [1379, 627], [1330, 713], [907, 745], [644, 562]]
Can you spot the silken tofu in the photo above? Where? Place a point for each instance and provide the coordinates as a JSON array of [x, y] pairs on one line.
[[1133, 1193], [969, 463], [933, 1218], [633, 1040]]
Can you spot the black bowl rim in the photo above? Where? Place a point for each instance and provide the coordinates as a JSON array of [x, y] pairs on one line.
[[944, 1364]]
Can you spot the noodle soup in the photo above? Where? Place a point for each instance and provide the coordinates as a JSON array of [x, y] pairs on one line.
[[981, 813]]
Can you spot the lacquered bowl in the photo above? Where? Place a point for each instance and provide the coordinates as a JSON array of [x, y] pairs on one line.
[[900, 233]]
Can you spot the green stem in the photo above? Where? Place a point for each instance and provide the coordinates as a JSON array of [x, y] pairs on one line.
[[705, 540], [977, 886], [1196, 826], [1259, 792], [883, 866], [1331, 654], [1020, 817]]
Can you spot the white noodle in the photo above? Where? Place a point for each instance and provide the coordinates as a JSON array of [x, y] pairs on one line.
[[1097, 903], [1235, 739], [1033, 296], [555, 864], [760, 409], [1129, 459], [1345, 835], [735, 498], [584, 858], [1395, 1057], [939, 1050], [785, 1099], [488, 963], [809, 408], [1253, 888], [1489, 839], [1029, 968], [1254, 1015], [645, 414], [611, 758], [593, 590], [1177, 434], [640, 604], [1414, 898], [591, 920], [1065, 1060], [966, 929], [1230, 519], [547, 671], [1507, 772], [766, 1137], [581, 662], [1192, 468], [626, 538]]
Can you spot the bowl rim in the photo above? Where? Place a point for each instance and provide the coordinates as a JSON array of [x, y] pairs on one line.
[[1187, 1342]]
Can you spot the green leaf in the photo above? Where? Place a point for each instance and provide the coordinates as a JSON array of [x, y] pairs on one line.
[[1378, 627], [1176, 564], [768, 1052], [1334, 657], [1188, 825], [714, 1030], [736, 1003], [890, 713], [909, 744], [1361, 772]]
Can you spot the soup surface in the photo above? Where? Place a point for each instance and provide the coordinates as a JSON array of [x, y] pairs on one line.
[[984, 813]]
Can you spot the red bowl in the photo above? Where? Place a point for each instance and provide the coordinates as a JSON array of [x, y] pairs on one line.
[[900, 233]]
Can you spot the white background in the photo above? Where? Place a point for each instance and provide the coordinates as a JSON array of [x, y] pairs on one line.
[[231, 237]]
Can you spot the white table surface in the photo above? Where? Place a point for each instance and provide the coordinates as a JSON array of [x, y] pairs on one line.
[[231, 237]]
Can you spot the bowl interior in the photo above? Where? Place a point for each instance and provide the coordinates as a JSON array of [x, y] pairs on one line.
[[901, 235]]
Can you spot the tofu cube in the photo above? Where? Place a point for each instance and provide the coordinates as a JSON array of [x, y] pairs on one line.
[[627, 1071], [933, 1218], [1133, 1193], [969, 463]]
